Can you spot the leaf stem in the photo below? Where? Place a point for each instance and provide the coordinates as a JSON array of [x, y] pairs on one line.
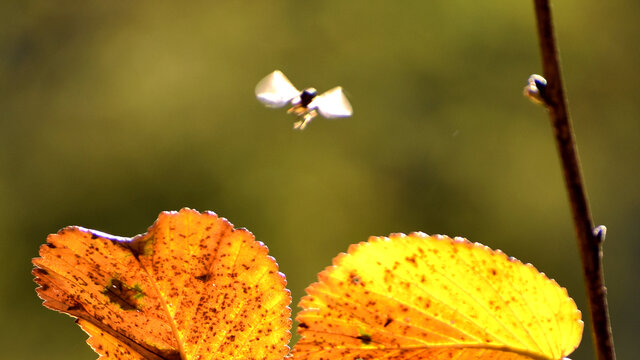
[[589, 239]]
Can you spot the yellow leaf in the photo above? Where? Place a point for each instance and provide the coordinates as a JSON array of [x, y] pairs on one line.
[[192, 287], [433, 297]]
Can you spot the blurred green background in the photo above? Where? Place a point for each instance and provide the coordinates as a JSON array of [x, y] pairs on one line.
[[113, 112]]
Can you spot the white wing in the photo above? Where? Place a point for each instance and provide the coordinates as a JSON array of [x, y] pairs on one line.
[[275, 90], [332, 104]]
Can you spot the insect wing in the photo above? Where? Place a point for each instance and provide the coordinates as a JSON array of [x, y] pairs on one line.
[[275, 90], [332, 104]]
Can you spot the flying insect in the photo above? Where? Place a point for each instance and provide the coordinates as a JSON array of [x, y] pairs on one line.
[[276, 91]]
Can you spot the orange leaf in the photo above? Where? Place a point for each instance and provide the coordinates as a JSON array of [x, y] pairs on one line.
[[192, 287], [433, 297]]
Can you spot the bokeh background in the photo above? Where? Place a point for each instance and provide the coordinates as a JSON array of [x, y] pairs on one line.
[[113, 112]]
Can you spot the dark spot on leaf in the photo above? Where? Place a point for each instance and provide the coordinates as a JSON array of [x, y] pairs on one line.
[[74, 307], [354, 278], [389, 320], [38, 271], [123, 295], [203, 277], [303, 325], [365, 338]]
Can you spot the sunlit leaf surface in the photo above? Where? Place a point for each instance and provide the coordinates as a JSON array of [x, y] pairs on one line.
[[433, 297], [192, 287]]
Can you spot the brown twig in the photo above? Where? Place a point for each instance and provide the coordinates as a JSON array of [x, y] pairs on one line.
[[589, 239]]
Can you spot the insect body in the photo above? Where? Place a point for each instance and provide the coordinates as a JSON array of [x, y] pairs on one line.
[[275, 91]]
